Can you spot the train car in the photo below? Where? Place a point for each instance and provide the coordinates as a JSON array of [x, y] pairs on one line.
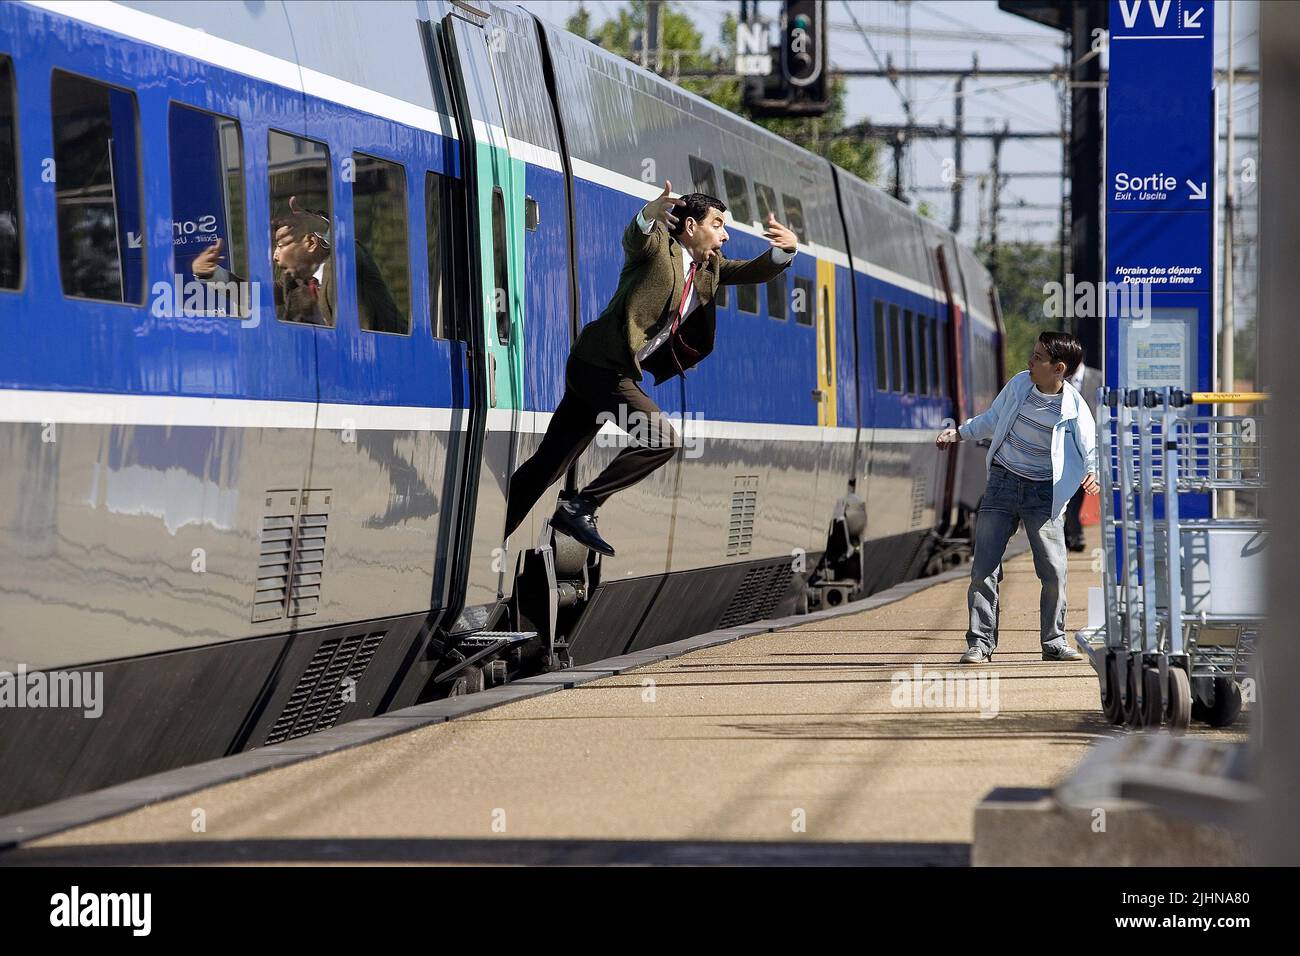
[[255, 517]]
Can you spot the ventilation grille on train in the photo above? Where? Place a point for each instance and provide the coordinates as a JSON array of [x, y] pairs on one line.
[[291, 556], [328, 682], [744, 502], [920, 488], [758, 595]]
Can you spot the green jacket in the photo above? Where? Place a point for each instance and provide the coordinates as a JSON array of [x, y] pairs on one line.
[[649, 289]]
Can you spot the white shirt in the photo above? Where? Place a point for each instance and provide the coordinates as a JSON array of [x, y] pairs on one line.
[[779, 256]]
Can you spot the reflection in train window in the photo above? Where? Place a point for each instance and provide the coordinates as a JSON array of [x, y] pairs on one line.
[[383, 276], [206, 156], [11, 262], [437, 212], [909, 350], [737, 196], [766, 197], [776, 297], [882, 347], [794, 217], [101, 232], [705, 180], [501, 269], [896, 331], [805, 300], [302, 243], [720, 297]]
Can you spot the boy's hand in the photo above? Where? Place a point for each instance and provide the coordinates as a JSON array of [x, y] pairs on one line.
[[949, 436], [1090, 485], [661, 207]]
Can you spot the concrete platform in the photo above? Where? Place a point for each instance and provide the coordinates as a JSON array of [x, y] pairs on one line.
[[839, 740]]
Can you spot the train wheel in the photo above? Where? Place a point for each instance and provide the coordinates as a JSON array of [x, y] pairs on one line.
[[1180, 700]]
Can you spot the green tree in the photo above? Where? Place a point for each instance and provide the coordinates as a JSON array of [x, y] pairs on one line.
[[816, 134], [1023, 269]]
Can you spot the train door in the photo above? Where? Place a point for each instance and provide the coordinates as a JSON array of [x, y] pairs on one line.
[[825, 312], [495, 199]]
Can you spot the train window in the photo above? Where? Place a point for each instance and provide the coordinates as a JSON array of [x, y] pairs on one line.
[[805, 300], [381, 265], [776, 298], [936, 349], [747, 298], [436, 207], [766, 197], [302, 242], [11, 263], [705, 180], [98, 192], [501, 285], [207, 168], [737, 196], [882, 349], [720, 297], [896, 332], [922, 355], [909, 351], [794, 217]]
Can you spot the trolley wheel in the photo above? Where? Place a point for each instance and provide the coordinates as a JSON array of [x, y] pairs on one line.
[[1223, 708], [1180, 700], [1153, 698], [1131, 708], [1112, 700]]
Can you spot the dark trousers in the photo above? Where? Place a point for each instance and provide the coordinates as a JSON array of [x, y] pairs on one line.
[[593, 395], [1073, 526]]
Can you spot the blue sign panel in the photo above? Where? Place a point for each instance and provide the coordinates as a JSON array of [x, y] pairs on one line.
[[1160, 189]]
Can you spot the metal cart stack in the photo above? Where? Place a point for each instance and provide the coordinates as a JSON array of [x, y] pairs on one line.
[[1184, 597]]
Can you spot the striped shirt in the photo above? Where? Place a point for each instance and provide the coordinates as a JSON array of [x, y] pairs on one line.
[[1027, 448]]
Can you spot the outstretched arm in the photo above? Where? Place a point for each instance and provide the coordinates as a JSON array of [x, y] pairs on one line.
[[641, 238], [783, 245]]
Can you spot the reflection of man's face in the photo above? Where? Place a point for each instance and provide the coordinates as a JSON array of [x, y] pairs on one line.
[[295, 253]]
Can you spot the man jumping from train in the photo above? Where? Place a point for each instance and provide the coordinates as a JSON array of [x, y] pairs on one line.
[[661, 320]]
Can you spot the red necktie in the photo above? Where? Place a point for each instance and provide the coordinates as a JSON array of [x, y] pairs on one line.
[[690, 279], [314, 284]]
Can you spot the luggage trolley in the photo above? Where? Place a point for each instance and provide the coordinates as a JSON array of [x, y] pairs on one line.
[[1183, 610]]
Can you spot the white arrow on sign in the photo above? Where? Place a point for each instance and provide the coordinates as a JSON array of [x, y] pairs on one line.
[[1192, 19], [1198, 192], [134, 240]]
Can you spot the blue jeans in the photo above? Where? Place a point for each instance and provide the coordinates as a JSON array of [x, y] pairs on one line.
[[1009, 500]]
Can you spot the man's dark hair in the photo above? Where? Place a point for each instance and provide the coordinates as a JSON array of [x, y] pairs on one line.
[[697, 207], [1062, 347]]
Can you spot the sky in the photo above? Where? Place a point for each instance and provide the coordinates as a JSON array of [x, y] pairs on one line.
[[950, 34]]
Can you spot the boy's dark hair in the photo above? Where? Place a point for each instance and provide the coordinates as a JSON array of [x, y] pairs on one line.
[[697, 207], [1062, 347]]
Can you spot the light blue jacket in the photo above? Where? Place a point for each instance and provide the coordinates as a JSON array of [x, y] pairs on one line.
[[1073, 457]]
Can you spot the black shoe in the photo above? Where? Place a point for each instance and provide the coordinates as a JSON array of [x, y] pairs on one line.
[[577, 519], [1076, 546]]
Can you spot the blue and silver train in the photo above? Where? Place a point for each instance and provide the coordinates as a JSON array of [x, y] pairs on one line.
[[255, 522]]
